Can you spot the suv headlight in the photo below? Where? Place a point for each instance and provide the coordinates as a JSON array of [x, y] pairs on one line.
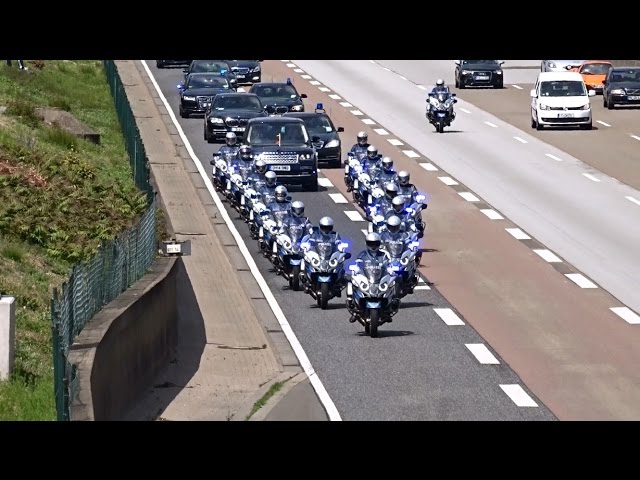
[[296, 108], [306, 156], [465, 72], [498, 72], [332, 143], [216, 120], [586, 107], [256, 69], [617, 91]]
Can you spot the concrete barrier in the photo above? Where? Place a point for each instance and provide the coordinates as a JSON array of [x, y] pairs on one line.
[[7, 335], [626, 63], [119, 353]]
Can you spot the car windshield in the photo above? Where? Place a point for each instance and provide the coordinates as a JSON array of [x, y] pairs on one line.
[[237, 102], [207, 81], [630, 75], [208, 66], [318, 124], [279, 91], [476, 62], [562, 88], [595, 69], [277, 134]]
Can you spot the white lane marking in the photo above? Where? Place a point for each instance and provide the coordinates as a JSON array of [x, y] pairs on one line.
[[335, 97], [284, 61], [324, 89], [241, 90], [603, 123], [421, 280], [635, 137], [518, 234], [372, 61], [492, 214], [354, 216], [422, 287], [448, 181], [547, 255], [465, 110], [521, 140], [627, 315], [346, 104], [580, 280], [518, 396], [365, 231], [469, 197], [632, 199], [291, 65], [517, 86], [314, 82], [403, 78], [368, 121], [394, 141], [448, 316], [324, 182], [387, 69], [298, 70], [338, 198], [357, 112], [482, 353], [381, 131], [591, 177], [330, 407], [491, 124], [554, 157], [410, 154], [421, 87], [430, 167], [306, 77]]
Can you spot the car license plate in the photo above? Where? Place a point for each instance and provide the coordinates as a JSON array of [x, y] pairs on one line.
[[237, 129], [565, 115], [281, 168], [482, 77], [240, 76], [633, 97]]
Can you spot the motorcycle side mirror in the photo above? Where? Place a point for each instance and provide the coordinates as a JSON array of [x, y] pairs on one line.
[[288, 198], [185, 70], [424, 205], [455, 100], [212, 162], [347, 256]]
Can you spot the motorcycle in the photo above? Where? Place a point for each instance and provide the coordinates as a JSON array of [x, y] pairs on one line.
[[440, 109], [288, 254], [272, 222], [323, 274], [403, 263], [220, 169], [352, 167]]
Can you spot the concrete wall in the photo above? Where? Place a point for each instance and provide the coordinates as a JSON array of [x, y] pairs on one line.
[[626, 63], [119, 353]]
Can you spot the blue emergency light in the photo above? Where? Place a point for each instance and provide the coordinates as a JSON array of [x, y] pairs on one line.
[[289, 81], [319, 106]]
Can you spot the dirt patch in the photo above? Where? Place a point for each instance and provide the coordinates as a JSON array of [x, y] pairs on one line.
[[66, 121], [30, 175]]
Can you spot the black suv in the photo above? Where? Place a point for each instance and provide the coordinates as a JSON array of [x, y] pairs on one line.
[[285, 146], [221, 67], [621, 87], [164, 63], [246, 71], [230, 112], [479, 73], [279, 96], [197, 93]]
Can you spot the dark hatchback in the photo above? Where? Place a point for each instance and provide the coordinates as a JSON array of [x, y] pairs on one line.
[[621, 87], [220, 67], [328, 144], [173, 63], [230, 112], [278, 96], [479, 73], [247, 72], [197, 93]]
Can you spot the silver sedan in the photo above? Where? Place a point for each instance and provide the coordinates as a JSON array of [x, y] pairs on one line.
[[558, 65]]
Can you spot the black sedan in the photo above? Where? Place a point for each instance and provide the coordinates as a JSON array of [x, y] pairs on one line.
[[197, 93], [621, 87], [221, 67], [230, 112], [279, 95], [173, 63], [479, 73], [246, 71]]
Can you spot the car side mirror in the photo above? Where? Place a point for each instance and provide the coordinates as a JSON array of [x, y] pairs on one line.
[[185, 70], [592, 93], [347, 255], [181, 86], [568, 67], [501, 62], [457, 62], [604, 82], [304, 95], [340, 129], [455, 100], [315, 138], [532, 93]]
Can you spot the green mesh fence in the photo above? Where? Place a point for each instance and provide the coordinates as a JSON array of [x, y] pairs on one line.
[[118, 264]]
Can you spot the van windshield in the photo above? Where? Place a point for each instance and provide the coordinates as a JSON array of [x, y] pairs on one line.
[[562, 88]]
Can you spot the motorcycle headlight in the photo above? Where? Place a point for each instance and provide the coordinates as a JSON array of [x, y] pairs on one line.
[[315, 262], [333, 143], [296, 108], [216, 120], [333, 263], [364, 286], [404, 261], [383, 287]]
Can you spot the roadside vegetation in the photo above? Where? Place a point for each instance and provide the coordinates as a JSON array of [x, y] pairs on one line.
[[60, 196]]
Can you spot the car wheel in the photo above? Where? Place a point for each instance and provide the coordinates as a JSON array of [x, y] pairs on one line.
[[533, 123], [499, 85], [159, 64], [312, 186], [538, 126], [457, 83], [183, 114], [589, 126], [461, 85], [610, 105]]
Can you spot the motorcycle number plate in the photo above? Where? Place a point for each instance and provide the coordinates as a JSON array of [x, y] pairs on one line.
[[228, 184], [349, 289], [242, 200], [356, 183]]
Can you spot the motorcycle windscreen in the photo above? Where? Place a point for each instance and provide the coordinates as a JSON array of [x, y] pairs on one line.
[[280, 215], [296, 232], [324, 249], [395, 249], [373, 271]]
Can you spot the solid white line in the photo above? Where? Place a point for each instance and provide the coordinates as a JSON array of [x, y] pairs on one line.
[[368, 121], [324, 89], [591, 177], [491, 124], [517, 86], [403, 78], [241, 90], [492, 214], [518, 396], [395, 142], [469, 197], [521, 140], [354, 216], [284, 61], [324, 182], [632, 199], [381, 131], [372, 61], [547, 255], [314, 82], [298, 70], [387, 69], [306, 77], [448, 316], [291, 65], [410, 154], [335, 97], [422, 287], [357, 112], [365, 231], [448, 181], [465, 110], [627, 315], [554, 157], [338, 198], [346, 104], [635, 137], [603, 123], [430, 167], [482, 353], [329, 406], [580, 280], [421, 87], [518, 234]]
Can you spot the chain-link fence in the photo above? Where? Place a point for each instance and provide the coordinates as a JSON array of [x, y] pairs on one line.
[[118, 264]]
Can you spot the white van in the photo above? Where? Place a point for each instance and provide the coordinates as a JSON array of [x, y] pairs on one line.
[[561, 99]]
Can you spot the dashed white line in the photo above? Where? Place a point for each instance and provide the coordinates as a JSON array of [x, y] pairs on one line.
[[422, 287], [603, 123], [324, 182], [335, 97], [354, 216], [635, 137], [517, 86], [291, 65], [591, 177], [430, 167], [381, 131], [482, 353], [448, 316], [492, 214], [580, 280], [547, 255], [324, 89], [368, 121], [553, 157], [306, 77], [491, 124], [518, 396], [632, 199], [365, 231], [387, 69], [298, 70], [338, 198], [421, 87], [357, 112], [448, 181], [469, 197], [521, 140], [241, 90], [403, 78], [394, 142], [411, 154], [627, 315], [465, 110], [314, 82], [518, 234], [346, 104], [284, 61]]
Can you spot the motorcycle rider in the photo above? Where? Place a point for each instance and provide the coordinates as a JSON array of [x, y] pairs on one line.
[[406, 188], [386, 173], [357, 150], [408, 218], [267, 193], [324, 233], [384, 204], [297, 216], [394, 241], [279, 210], [229, 150], [440, 91], [257, 177], [440, 87]]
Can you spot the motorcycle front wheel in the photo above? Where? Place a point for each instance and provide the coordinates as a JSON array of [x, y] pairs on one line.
[[323, 301], [374, 321], [294, 279]]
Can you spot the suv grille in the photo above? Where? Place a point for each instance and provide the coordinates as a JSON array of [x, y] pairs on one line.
[[283, 157]]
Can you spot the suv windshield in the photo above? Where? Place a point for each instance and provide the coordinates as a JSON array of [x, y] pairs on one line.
[[318, 124], [238, 102], [207, 81], [630, 75], [482, 62], [595, 69], [208, 66], [562, 88], [280, 91], [277, 134]]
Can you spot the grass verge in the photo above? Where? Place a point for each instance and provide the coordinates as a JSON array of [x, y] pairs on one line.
[[275, 388]]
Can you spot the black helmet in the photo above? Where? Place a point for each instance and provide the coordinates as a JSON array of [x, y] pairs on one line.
[[230, 138], [297, 208], [393, 223], [281, 193], [326, 225], [391, 190], [373, 242], [245, 152], [261, 166], [372, 152], [270, 178], [397, 204], [387, 164], [404, 177], [362, 138]]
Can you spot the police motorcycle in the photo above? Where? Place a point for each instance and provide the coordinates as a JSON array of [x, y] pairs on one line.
[[220, 170], [287, 251], [371, 290], [402, 249], [440, 109], [272, 221], [352, 168]]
